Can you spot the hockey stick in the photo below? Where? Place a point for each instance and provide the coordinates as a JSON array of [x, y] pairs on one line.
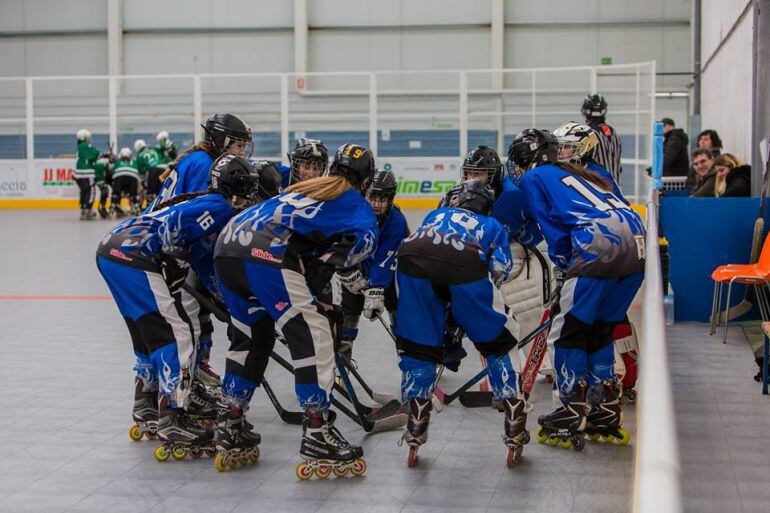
[[756, 243], [481, 374], [289, 417]]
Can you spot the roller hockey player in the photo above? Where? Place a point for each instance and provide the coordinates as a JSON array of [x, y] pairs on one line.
[[84, 173], [147, 163], [167, 154], [308, 159], [266, 259], [608, 150], [223, 134], [125, 183], [579, 144], [103, 179], [145, 278], [597, 242], [455, 260], [371, 288]]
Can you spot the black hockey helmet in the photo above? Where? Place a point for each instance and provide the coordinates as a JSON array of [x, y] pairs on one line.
[[472, 195], [269, 179], [232, 175], [383, 187], [594, 107], [355, 163], [308, 152], [484, 159], [222, 130], [531, 148]]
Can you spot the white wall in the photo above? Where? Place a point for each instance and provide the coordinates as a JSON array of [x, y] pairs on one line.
[[726, 102]]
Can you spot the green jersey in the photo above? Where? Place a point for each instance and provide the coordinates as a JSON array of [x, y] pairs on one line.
[[167, 152], [147, 159], [87, 155], [100, 169], [124, 168]]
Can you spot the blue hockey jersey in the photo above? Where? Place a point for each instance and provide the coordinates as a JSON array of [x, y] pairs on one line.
[[187, 231], [510, 209], [380, 267], [191, 174], [589, 231], [462, 238], [291, 229]]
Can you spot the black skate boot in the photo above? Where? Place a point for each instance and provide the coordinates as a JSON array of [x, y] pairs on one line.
[[236, 442], [564, 426], [324, 449], [145, 411], [203, 405], [119, 212], [180, 435], [207, 375], [604, 419], [516, 434], [103, 212], [416, 432]]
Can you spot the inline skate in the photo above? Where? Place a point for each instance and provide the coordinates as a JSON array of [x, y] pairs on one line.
[[145, 411], [324, 450]]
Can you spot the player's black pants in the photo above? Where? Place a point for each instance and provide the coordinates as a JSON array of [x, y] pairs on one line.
[[87, 191]]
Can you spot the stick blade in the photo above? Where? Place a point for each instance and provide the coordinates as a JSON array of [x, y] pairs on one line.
[[292, 417], [387, 410], [475, 399], [395, 421]]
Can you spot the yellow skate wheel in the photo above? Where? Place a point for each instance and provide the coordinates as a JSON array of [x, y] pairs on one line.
[[340, 471], [594, 437], [411, 457], [323, 471], [565, 444], [359, 468], [541, 435], [178, 453], [254, 454], [304, 471], [231, 463], [210, 452], [608, 439], [135, 433], [220, 462], [552, 440], [162, 453], [625, 436]]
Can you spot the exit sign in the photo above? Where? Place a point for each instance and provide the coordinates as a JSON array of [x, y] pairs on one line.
[[606, 60]]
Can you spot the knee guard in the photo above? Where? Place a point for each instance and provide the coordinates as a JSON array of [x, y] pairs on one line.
[[418, 378]]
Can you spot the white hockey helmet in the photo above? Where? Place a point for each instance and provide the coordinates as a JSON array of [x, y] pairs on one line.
[[577, 142], [162, 136], [124, 154], [84, 135], [139, 145]]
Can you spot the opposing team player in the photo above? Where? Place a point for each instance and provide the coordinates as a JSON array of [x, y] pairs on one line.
[[579, 144], [167, 153], [607, 153], [144, 261], [371, 288], [597, 241], [84, 173], [147, 163], [455, 260], [267, 262], [125, 184]]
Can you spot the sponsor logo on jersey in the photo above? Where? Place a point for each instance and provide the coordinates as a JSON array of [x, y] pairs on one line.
[[281, 305], [119, 254], [264, 255]]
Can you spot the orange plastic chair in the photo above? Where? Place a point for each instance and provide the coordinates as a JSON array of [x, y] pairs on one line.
[[748, 274]]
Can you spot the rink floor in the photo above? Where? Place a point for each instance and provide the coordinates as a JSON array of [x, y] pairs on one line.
[[65, 411]]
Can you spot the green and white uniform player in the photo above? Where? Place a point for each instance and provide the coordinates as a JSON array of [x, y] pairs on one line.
[[102, 179], [125, 183], [167, 152], [84, 173], [147, 161]]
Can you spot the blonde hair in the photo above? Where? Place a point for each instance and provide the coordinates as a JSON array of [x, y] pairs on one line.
[[202, 145], [323, 188], [727, 160]]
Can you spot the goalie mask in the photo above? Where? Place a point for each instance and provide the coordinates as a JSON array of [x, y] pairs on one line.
[[577, 142]]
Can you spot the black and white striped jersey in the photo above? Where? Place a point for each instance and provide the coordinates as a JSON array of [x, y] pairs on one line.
[[607, 153]]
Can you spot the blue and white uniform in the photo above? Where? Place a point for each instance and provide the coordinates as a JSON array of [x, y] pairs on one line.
[[265, 260], [158, 320], [597, 241], [510, 209], [379, 269], [450, 265]]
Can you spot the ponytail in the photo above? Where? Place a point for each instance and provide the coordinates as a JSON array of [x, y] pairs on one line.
[[586, 174], [201, 145], [322, 188], [180, 199]]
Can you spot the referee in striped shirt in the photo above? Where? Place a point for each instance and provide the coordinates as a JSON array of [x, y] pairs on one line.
[[607, 153]]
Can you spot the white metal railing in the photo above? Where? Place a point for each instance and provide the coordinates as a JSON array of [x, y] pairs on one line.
[[657, 487], [503, 100]]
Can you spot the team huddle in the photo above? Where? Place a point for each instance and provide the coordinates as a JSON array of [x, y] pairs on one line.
[[298, 253]]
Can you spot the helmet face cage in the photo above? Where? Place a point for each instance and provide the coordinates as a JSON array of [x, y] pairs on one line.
[[577, 142], [304, 169], [382, 192], [227, 133], [483, 163], [530, 148], [238, 146], [472, 195]]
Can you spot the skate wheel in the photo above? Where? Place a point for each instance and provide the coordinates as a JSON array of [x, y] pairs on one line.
[[220, 462], [254, 455], [135, 433], [358, 468], [162, 453], [541, 435], [608, 439], [578, 443], [179, 453], [553, 440], [151, 435], [340, 471], [594, 437], [411, 457], [210, 452], [630, 395], [304, 471], [565, 444], [514, 455], [231, 463], [625, 436], [323, 471], [196, 454]]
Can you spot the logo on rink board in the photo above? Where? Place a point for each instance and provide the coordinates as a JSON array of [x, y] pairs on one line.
[[53, 177]]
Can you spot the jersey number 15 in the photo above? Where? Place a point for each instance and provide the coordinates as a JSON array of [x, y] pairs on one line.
[[592, 195]]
